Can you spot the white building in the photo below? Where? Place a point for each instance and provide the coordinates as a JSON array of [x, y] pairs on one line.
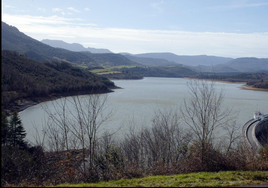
[[258, 116]]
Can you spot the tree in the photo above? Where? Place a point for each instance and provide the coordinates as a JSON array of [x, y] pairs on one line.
[[204, 114], [16, 131], [4, 128], [75, 123]]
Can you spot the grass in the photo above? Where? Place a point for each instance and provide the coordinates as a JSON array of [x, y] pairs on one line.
[[200, 179], [110, 70], [104, 71]]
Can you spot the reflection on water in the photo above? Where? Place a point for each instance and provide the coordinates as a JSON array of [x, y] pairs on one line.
[[137, 102]]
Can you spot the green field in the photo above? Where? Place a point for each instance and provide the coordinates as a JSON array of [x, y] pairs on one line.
[[200, 179], [110, 70]]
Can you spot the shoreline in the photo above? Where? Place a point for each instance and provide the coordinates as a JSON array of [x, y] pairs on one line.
[[24, 103], [247, 87], [244, 86]]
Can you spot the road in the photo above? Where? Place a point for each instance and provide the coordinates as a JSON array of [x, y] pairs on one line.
[[249, 134]]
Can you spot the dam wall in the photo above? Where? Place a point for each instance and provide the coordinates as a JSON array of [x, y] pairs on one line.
[[261, 132]]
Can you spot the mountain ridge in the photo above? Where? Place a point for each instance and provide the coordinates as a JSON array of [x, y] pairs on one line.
[[187, 60], [14, 40], [72, 47]]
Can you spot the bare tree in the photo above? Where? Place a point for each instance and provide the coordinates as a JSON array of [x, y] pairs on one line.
[[205, 114], [232, 136], [57, 128], [75, 122], [156, 149], [87, 119]]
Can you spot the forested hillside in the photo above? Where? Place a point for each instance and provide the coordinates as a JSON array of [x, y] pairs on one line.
[[24, 78], [150, 62], [162, 71]]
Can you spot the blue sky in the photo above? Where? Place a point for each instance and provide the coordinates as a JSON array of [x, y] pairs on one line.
[[229, 28]]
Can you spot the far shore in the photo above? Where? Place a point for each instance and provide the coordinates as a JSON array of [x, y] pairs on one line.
[[245, 86]]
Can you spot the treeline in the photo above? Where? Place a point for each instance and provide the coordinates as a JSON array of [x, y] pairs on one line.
[[257, 80], [165, 71], [22, 78]]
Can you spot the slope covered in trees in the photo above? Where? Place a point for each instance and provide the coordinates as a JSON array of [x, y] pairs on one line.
[[162, 71], [24, 78]]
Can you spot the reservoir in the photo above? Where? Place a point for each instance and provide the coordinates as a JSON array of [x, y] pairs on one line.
[[136, 103]]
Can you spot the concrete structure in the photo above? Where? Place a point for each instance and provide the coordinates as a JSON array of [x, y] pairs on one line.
[[255, 131], [261, 132]]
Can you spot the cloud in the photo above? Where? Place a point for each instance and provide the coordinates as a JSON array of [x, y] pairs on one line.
[[73, 9], [58, 10], [87, 9], [237, 6], [140, 40], [27, 20], [249, 5]]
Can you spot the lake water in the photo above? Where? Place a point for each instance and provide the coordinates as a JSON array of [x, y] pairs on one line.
[[137, 102]]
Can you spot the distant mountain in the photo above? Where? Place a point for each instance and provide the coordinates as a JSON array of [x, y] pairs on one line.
[[125, 53], [242, 65], [250, 64], [188, 60], [14, 40], [75, 47], [221, 68], [150, 62]]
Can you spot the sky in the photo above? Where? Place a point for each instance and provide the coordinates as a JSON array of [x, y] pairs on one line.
[[228, 28]]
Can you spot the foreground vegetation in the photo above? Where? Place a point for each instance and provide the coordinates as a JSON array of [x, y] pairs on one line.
[[71, 151], [200, 179]]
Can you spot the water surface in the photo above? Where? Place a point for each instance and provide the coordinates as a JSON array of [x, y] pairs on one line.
[[137, 102]]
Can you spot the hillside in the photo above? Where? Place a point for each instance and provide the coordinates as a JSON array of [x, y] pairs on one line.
[[161, 71], [14, 40], [242, 65], [150, 62], [187, 60], [75, 47], [26, 78], [248, 64], [221, 68]]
